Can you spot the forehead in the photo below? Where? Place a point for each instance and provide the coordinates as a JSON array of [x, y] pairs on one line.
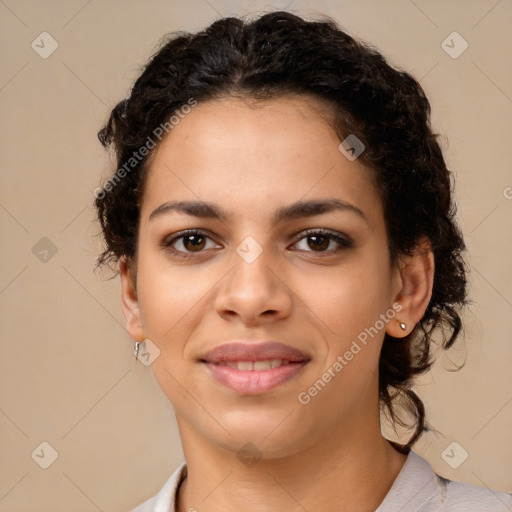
[[254, 155]]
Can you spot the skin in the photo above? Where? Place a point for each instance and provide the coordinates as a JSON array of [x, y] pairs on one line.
[[251, 159]]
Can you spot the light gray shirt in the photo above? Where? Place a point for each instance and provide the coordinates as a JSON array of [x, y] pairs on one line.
[[416, 489]]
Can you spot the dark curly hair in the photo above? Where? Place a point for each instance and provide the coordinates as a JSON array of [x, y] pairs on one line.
[[282, 54]]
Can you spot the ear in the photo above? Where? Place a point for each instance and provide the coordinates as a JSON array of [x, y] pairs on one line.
[[416, 279], [129, 300]]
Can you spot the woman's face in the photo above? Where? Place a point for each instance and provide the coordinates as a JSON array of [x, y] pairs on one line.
[[260, 272]]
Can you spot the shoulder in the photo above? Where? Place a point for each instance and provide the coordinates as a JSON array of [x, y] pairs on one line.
[[462, 497], [165, 500], [419, 488], [147, 506]]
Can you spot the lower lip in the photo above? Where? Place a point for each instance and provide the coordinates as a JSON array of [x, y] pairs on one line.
[[249, 382]]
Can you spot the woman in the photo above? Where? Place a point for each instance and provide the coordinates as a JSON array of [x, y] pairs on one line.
[[282, 220]]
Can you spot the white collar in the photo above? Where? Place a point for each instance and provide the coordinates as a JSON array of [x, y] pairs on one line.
[[414, 485]]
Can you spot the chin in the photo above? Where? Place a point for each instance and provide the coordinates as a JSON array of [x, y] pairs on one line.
[[274, 434]]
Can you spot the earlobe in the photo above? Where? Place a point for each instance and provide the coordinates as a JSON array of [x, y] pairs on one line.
[[417, 280], [130, 301]]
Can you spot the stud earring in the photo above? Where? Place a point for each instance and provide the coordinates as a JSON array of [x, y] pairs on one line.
[[403, 326]]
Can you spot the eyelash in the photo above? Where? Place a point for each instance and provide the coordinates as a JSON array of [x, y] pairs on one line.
[[343, 241]]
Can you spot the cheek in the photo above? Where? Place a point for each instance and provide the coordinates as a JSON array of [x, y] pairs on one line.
[[171, 300], [347, 299], [172, 303]]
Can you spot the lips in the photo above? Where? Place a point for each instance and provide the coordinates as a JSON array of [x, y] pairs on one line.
[[254, 351], [252, 368]]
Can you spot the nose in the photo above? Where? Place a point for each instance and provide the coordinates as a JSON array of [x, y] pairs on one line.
[[253, 293]]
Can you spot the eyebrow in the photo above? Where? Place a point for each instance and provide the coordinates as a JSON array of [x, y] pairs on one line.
[[292, 211]]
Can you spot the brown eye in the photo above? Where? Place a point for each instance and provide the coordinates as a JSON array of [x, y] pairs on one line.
[[194, 243], [318, 242], [321, 241], [188, 243]]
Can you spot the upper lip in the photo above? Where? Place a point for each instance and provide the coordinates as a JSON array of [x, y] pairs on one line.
[[254, 351]]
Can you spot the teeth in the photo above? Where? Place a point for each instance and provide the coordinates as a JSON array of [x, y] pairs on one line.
[[262, 365], [257, 365]]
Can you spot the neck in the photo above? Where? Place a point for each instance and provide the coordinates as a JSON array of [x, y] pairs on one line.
[[342, 471]]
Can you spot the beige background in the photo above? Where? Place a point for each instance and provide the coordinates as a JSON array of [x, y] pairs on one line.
[[67, 373]]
